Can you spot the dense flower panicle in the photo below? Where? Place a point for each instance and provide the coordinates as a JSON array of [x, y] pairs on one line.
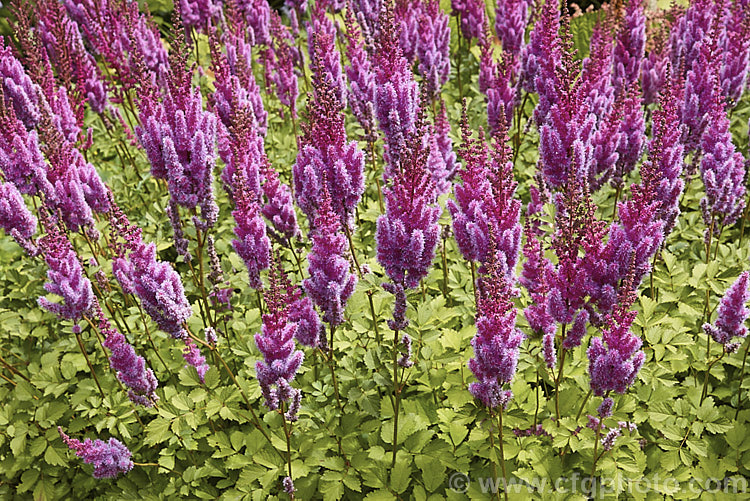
[[597, 72], [472, 17], [252, 243], [606, 143], [534, 278], [279, 206], [433, 41], [632, 136], [253, 16], [630, 47], [408, 233], [19, 90], [325, 60], [179, 137], [733, 313], [193, 357], [502, 91], [367, 13], [722, 169], [486, 205], [156, 284], [279, 59], [497, 341], [511, 18], [361, 94], [653, 74], [21, 158], [408, 14], [441, 134], [326, 160], [736, 51], [689, 32], [543, 54], [128, 365], [15, 217], [276, 343], [65, 275], [109, 458], [331, 282], [396, 91], [198, 14]]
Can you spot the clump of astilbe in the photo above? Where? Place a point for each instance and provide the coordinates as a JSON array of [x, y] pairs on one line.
[[433, 44], [235, 85], [631, 135], [199, 14], [279, 206], [630, 47], [443, 145], [109, 458], [128, 365], [367, 13], [541, 57], [407, 13], [596, 72], [666, 152], [16, 218], [486, 217], [179, 137], [281, 360], [655, 63], [331, 282], [688, 34], [722, 169], [730, 322], [407, 234], [279, 59], [497, 80], [615, 358], [605, 142], [396, 91], [471, 15], [535, 278], [361, 95], [116, 31], [76, 68], [326, 160], [700, 93], [256, 15], [19, 91], [65, 274], [497, 341], [252, 243], [736, 50], [325, 59], [511, 19]]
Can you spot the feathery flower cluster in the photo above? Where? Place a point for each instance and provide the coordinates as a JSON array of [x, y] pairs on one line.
[[279, 61], [615, 358], [15, 218], [736, 51], [331, 283], [359, 72], [542, 56], [407, 234], [326, 161], [630, 47], [497, 80], [198, 14], [486, 207], [19, 91], [276, 343], [128, 365], [432, 46], [497, 341], [471, 15], [279, 206], [631, 135], [252, 243], [325, 59], [511, 19], [109, 458], [65, 274], [733, 313], [179, 137], [396, 91]]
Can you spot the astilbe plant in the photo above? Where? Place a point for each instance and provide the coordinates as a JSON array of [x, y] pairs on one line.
[[110, 458], [16, 219], [252, 243], [511, 18], [433, 41], [359, 73], [471, 15], [730, 322], [279, 59], [257, 17], [630, 47], [325, 59]]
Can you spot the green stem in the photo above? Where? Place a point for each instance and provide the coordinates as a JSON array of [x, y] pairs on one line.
[[374, 318], [583, 405], [502, 454], [88, 362], [704, 393], [596, 459], [397, 397], [287, 433], [742, 378]]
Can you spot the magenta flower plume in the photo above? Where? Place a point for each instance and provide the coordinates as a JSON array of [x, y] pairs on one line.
[[198, 14], [130, 367], [543, 53], [256, 16], [331, 282], [689, 32], [16, 218], [615, 358], [497, 341], [21, 158], [367, 13], [19, 90], [511, 18], [325, 59], [497, 80], [408, 232], [443, 146], [536, 270], [654, 68], [252, 244], [407, 14], [433, 44], [279, 61], [281, 360], [326, 160], [632, 135], [485, 205], [700, 94], [733, 313], [736, 51], [396, 91], [630, 47], [722, 169], [471, 16], [193, 357], [65, 275], [179, 137], [109, 458], [279, 206], [361, 95]]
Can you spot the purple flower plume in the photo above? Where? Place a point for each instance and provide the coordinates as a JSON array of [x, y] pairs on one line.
[[736, 51], [630, 46], [109, 458], [325, 59], [279, 59], [16, 218], [733, 313], [433, 40], [511, 19], [361, 95], [331, 283], [471, 15], [252, 243]]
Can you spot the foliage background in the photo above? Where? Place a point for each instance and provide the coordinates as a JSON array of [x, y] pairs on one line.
[[207, 448]]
